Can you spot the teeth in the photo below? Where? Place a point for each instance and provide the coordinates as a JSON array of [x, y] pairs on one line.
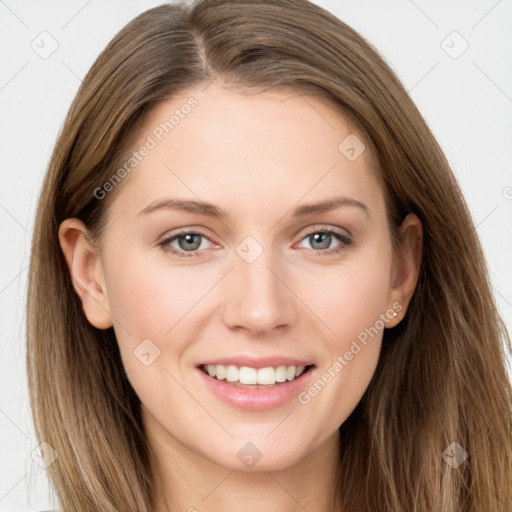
[[232, 373], [280, 374], [246, 375], [219, 371]]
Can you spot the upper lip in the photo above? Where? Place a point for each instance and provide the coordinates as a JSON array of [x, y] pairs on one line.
[[257, 362]]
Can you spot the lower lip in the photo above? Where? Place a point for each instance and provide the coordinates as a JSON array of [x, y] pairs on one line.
[[254, 399]]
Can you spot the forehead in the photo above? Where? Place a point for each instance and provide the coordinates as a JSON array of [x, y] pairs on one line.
[[222, 144]]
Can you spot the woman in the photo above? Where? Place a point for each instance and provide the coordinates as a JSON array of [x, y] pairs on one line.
[[364, 373]]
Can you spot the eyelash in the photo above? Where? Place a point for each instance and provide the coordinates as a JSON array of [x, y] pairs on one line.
[[345, 242]]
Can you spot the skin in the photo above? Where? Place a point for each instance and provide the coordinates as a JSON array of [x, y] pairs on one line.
[[258, 157]]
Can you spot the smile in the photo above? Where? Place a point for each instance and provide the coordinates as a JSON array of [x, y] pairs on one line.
[[255, 389], [254, 376]]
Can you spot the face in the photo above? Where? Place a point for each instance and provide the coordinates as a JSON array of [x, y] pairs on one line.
[[256, 287]]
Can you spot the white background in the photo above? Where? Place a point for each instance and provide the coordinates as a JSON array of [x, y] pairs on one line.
[[466, 101]]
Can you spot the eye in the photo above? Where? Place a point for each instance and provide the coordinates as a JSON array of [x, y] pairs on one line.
[[187, 241], [320, 240]]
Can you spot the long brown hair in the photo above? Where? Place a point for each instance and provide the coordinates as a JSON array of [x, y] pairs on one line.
[[441, 377]]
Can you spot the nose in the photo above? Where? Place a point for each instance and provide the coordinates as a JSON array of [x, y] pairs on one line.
[[259, 298]]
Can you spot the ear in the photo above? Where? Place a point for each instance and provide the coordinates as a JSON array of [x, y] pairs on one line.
[[86, 269], [407, 264]]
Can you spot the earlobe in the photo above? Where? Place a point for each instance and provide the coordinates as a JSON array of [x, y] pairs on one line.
[[86, 272], [407, 267]]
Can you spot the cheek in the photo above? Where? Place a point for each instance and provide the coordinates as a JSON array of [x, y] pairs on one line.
[[146, 303], [352, 298], [139, 300], [148, 296], [358, 302]]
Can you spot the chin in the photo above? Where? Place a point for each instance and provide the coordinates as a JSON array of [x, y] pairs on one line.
[[258, 453]]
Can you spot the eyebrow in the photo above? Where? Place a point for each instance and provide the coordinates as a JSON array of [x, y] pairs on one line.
[[210, 210]]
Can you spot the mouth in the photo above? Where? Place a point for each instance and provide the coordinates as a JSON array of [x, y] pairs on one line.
[[255, 378], [255, 389]]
